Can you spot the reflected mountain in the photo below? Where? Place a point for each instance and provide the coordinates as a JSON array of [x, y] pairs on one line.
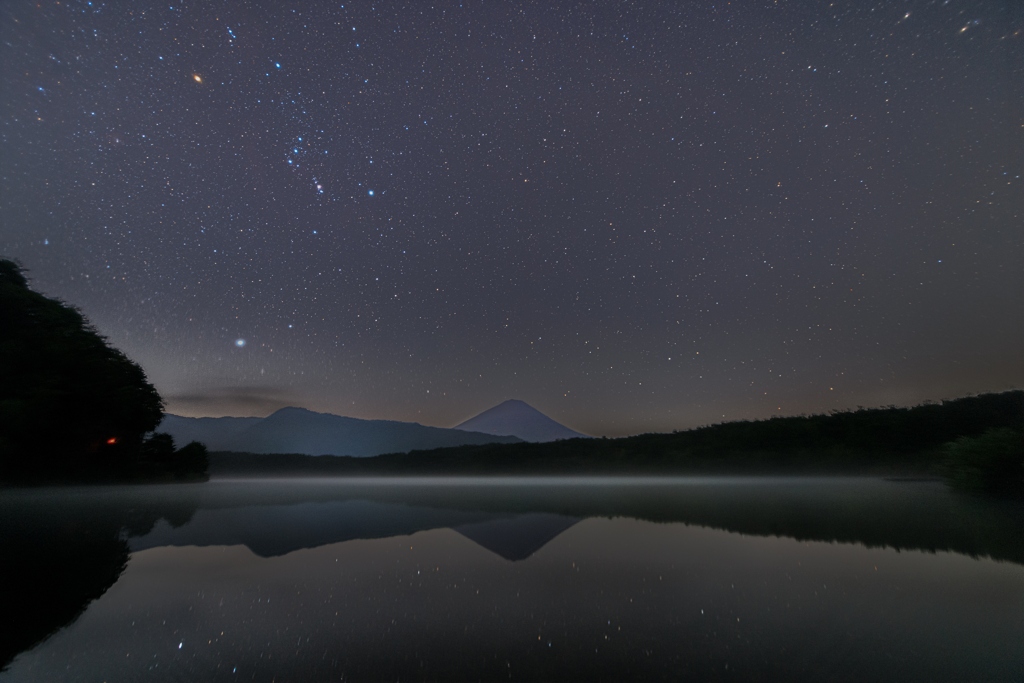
[[519, 537], [274, 517], [274, 530], [64, 547]]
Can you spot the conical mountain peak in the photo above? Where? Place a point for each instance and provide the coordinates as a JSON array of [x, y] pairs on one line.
[[518, 418]]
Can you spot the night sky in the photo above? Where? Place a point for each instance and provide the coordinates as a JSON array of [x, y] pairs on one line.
[[635, 216]]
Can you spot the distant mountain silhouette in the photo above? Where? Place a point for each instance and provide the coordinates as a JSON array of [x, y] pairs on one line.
[[218, 433], [520, 419], [296, 430]]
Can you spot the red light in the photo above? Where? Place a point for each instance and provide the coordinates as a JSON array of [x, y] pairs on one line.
[[112, 440]]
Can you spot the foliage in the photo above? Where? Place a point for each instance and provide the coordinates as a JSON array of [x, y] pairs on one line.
[[990, 463], [159, 460], [71, 406]]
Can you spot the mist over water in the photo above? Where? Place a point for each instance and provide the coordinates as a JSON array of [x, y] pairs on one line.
[[538, 579]]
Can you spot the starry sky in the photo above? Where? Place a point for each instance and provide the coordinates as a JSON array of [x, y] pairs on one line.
[[635, 216]]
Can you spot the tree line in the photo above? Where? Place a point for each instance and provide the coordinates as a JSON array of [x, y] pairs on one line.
[[977, 442], [72, 407]]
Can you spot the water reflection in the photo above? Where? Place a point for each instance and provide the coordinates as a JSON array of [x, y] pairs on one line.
[[63, 548], [275, 517], [519, 537], [450, 581]]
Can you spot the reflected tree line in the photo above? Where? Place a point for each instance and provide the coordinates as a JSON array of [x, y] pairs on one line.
[[62, 549]]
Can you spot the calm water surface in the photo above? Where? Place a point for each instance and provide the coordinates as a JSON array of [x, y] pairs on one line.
[[513, 579]]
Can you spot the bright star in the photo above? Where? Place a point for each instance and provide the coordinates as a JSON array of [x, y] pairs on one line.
[[239, 343], [197, 78], [370, 193]]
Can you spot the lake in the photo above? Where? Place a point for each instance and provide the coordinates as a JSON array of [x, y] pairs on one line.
[[512, 579]]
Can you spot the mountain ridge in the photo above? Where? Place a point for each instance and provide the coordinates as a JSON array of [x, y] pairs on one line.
[[299, 430]]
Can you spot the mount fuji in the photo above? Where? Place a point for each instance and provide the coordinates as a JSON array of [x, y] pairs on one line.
[[519, 419]]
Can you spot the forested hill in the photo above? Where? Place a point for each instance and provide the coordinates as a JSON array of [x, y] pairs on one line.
[[72, 407], [875, 438]]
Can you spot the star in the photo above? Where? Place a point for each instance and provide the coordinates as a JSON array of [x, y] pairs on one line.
[[546, 214]]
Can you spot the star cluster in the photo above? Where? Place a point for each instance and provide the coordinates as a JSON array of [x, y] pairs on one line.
[[636, 216]]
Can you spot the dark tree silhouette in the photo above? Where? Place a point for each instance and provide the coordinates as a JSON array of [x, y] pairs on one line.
[[71, 406], [990, 463]]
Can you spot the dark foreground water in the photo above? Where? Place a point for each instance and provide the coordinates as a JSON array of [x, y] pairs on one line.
[[512, 579]]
